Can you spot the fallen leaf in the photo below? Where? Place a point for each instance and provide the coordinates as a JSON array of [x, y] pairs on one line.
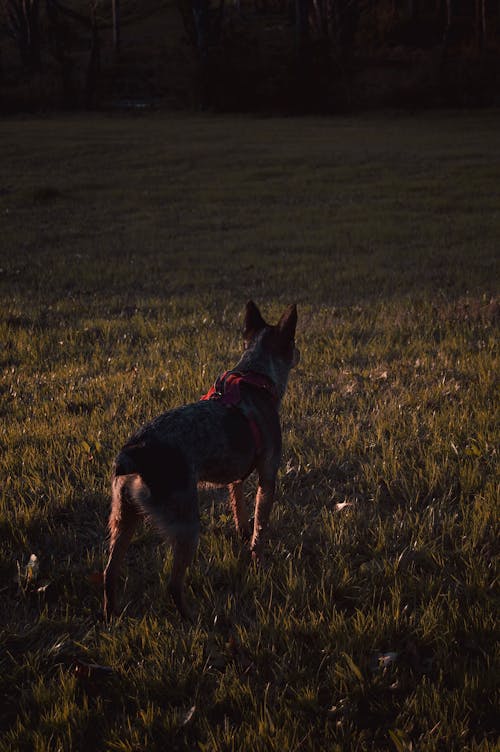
[[382, 661], [342, 505], [344, 708], [32, 567], [29, 573], [189, 716], [387, 659]]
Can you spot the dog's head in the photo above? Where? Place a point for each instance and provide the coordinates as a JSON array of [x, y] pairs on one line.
[[270, 349]]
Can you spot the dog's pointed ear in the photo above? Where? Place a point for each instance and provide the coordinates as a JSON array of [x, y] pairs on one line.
[[288, 323], [253, 320]]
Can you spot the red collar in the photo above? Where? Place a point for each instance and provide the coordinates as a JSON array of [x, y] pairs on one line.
[[227, 391], [227, 387]]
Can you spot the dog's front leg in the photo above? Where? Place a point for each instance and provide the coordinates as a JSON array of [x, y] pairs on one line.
[[263, 505], [239, 509]]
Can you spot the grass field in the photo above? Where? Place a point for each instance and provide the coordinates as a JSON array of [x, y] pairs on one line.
[[129, 247]]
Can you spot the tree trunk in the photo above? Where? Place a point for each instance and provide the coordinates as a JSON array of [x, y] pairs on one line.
[[302, 27], [201, 26], [413, 9], [94, 64], [23, 25], [58, 49], [446, 32], [482, 25], [32, 7], [116, 26], [200, 16]]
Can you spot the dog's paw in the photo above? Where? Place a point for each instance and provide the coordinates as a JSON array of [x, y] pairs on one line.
[[179, 600], [258, 557]]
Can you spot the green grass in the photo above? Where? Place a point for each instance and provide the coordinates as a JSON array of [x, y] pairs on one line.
[[129, 248]]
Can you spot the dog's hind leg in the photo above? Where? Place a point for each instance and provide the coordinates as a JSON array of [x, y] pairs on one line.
[[184, 545], [175, 514], [123, 521], [239, 509]]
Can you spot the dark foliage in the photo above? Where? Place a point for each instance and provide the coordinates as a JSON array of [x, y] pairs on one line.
[[272, 55]]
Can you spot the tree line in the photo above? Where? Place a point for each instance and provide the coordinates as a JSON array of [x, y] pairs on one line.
[[301, 55]]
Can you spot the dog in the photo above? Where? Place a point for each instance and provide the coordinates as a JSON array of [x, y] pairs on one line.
[[231, 431]]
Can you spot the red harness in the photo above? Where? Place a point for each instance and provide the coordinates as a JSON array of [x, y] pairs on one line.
[[227, 390]]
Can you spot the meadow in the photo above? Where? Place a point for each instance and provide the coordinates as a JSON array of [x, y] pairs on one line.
[[129, 247]]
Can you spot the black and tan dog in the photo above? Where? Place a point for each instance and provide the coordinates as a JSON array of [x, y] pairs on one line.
[[221, 439]]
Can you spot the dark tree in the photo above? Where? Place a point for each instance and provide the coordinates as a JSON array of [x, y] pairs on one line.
[[22, 24], [116, 10]]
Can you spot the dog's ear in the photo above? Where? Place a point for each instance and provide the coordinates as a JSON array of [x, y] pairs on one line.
[[288, 323], [253, 321]]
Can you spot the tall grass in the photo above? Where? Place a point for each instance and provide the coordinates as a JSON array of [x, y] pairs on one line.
[[129, 247]]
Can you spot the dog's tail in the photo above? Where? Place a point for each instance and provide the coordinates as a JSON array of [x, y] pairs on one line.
[[162, 468], [126, 463], [143, 459]]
